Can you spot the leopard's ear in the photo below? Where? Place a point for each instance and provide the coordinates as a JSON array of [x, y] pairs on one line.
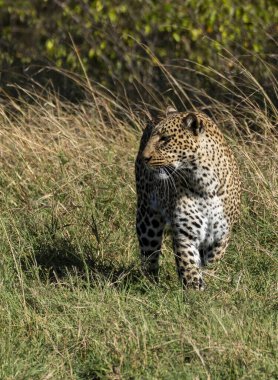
[[170, 110], [192, 122]]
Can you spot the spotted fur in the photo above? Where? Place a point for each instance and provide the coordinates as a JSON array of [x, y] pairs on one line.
[[187, 177]]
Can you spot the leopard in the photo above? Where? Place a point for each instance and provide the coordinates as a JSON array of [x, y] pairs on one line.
[[187, 178]]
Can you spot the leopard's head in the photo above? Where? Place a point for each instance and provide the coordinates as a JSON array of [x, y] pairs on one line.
[[174, 142]]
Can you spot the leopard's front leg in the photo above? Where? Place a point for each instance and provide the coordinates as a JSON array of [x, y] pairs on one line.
[[187, 256], [188, 264], [216, 251], [149, 226]]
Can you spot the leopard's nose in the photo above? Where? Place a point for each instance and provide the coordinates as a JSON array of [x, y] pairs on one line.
[[147, 155], [147, 158]]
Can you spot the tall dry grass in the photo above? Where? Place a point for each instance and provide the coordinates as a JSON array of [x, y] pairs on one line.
[[74, 303]]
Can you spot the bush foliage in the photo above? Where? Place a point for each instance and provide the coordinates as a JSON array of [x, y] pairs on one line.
[[112, 36]]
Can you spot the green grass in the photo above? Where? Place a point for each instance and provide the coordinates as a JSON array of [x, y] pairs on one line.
[[74, 303]]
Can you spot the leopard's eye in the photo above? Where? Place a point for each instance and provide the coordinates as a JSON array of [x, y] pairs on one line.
[[165, 139]]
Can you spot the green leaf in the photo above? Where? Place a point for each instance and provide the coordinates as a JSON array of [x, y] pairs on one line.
[[49, 45], [176, 37]]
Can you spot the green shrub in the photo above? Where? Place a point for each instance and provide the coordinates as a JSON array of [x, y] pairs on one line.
[[113, 36]]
